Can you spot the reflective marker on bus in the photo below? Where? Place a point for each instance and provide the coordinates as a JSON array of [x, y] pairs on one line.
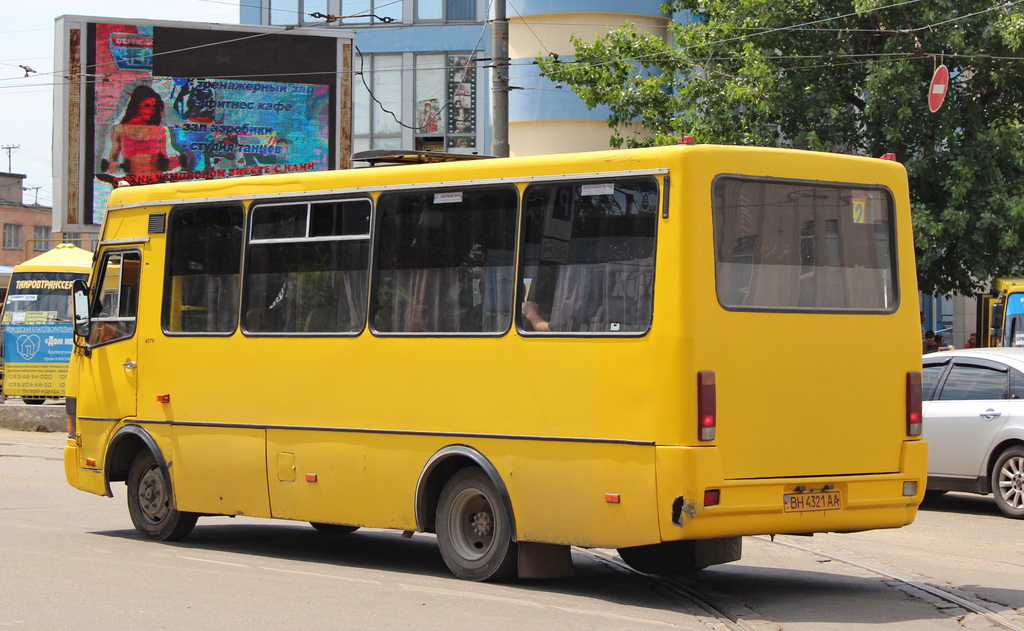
[[504, 352]]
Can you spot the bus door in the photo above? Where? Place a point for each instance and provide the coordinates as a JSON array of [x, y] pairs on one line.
[[111, 369]]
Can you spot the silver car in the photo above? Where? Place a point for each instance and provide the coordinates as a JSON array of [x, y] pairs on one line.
[[974, 423]]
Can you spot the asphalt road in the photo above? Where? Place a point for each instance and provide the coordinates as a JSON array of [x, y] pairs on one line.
[[71, 560]]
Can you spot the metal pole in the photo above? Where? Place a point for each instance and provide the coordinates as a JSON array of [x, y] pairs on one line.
[[499, 84], [8, 148]]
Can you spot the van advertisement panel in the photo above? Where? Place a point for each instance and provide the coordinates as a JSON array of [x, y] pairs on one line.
[[151, 128]]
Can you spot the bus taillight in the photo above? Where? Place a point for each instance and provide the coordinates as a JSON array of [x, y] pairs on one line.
[[706, 404], [914, 413]]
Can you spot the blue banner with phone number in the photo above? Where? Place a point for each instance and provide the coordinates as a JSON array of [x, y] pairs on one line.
[[38, 343]]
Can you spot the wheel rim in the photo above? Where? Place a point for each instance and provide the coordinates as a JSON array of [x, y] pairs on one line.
[[472, 524], [1011, 482], [153, 496]]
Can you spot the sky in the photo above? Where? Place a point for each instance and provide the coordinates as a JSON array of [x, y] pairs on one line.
[[26, 103]]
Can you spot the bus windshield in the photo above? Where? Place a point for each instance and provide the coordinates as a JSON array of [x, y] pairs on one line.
[[39, 298]]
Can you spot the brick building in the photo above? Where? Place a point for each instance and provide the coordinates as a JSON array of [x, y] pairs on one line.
[[22, 224]]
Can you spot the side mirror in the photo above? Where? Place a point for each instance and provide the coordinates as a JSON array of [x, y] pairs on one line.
[[80, 305]]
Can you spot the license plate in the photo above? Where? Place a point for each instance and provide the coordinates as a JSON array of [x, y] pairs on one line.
[[815, 500]]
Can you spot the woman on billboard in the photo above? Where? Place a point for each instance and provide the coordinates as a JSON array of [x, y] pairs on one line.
[[139, 143]]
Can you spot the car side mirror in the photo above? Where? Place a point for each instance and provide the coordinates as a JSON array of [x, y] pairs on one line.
[[80, 307]]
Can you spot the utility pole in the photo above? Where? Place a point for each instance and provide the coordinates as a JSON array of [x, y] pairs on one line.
[[8, 149], [499, 85]]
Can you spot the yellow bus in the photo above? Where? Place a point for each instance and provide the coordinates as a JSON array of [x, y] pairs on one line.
[[1001, 313], [651, 350], [36, 318]]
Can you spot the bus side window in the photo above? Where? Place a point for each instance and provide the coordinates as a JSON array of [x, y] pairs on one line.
[[588, 257], [306, 267], [116, 303], [204, 262], [446, 261]]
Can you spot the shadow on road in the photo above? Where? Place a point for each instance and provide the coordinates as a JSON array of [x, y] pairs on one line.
[[966, 503], [785, 595]]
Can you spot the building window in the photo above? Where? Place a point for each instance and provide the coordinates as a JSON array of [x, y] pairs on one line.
[[377, 103], [296, 12], [299, 12], [446, 103], [12, 236], [42, 238], [444, 116], [446, 10], [370, 11]]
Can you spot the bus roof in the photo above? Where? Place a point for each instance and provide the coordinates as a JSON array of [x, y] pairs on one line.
[[1008, 284], [481, 169], [63, 258]]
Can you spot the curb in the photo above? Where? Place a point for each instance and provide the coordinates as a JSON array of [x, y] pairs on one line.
[[33, 418]]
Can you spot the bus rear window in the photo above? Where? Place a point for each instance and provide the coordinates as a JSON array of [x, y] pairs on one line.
[[788, 245]]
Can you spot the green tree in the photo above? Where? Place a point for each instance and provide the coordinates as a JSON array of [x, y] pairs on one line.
[[849, 77]]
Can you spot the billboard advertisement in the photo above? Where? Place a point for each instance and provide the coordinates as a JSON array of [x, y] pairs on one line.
[[167, 102]]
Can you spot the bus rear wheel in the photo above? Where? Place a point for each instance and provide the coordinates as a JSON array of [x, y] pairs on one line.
[[150, 502], [474, 531], [33, 400], [666, 558]]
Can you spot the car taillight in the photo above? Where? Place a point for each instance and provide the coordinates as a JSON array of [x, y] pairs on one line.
[[914, 414], [706, 405]]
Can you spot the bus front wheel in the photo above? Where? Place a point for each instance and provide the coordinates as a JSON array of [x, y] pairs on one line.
[[474, 532], [150, 502]]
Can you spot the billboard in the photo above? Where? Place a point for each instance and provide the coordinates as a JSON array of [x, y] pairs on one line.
[[148, 102]]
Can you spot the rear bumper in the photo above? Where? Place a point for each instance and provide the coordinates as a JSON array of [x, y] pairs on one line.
[[756, 507]]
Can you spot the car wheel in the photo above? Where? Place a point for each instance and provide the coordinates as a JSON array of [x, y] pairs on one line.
[[474, 532], [1008, 482], [151, 504]]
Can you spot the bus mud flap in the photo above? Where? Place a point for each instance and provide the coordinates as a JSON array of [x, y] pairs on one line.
[[544, 560]]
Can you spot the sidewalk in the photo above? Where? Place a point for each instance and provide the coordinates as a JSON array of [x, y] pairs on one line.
[[48, 417]]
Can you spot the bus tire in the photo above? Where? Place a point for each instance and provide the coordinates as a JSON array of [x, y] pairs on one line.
[[151, 503], [1008, 482], [333, 529], [33, 400], [474, 533], [666, 558]]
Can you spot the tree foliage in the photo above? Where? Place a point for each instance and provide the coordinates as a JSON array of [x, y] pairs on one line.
[[849, 77]]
